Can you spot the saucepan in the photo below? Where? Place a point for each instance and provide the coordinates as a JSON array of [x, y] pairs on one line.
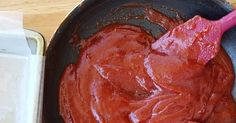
[[92, 15]]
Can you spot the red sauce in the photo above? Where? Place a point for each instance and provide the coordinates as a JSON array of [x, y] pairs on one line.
[[123, 76], [158, 18]]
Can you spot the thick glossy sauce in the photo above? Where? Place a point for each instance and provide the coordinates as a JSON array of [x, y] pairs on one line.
[[123, 76]]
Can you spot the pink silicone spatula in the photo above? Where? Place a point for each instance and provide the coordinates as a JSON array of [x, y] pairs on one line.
[[197, 39]]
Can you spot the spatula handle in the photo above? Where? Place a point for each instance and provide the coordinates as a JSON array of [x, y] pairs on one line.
[[228, 21]]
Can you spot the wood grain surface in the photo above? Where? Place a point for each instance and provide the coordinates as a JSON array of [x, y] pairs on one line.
[[45, 16]]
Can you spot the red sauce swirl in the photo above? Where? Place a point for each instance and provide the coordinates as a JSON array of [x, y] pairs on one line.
[[118, 78]]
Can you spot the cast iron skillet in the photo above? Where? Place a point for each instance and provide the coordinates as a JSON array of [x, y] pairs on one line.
[[82, 22]]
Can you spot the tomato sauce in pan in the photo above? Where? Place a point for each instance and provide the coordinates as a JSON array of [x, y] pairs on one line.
[[123, 75]]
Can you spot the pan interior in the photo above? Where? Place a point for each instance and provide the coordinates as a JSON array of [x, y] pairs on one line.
[[92, 15]]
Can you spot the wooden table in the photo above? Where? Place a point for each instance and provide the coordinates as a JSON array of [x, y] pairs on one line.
[[44, 15]]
